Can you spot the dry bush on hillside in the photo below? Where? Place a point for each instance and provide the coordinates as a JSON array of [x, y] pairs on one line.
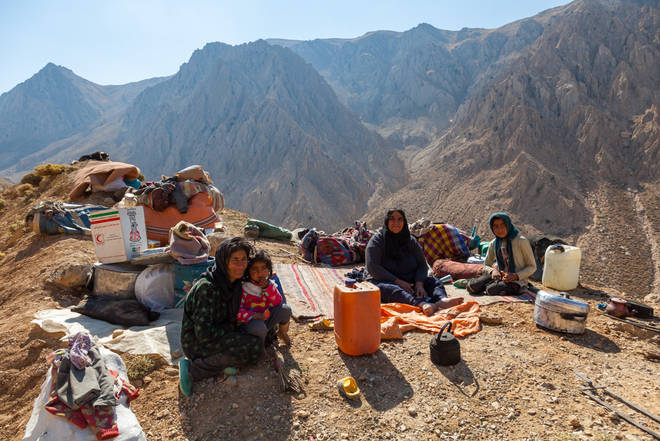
[[51, 169], [31, 178]]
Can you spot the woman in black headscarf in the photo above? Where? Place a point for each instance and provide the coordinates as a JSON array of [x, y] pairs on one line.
[[396, 263], [210, 336]]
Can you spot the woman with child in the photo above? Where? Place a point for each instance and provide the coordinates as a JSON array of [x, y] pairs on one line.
[[212, 336], [396, 263]]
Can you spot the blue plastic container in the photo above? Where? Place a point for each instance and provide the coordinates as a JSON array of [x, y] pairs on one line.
[[185, 277]]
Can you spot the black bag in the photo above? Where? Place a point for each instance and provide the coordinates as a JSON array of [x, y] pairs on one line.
[[118, 311], [445, 349]]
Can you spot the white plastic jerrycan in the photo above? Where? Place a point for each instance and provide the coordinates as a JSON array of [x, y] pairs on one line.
[[561, 269]]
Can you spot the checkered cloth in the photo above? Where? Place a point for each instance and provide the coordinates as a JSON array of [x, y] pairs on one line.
[[444, 241]]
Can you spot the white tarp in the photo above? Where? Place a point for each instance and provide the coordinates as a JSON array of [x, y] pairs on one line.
[[44, 426], [162, 336]]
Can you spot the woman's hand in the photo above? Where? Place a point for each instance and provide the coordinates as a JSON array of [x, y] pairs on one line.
[[420, 292], [496, 275], [404, 285], [510, 277]]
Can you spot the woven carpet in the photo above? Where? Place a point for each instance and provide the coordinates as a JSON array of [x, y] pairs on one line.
[[525, 297], [309, 289]]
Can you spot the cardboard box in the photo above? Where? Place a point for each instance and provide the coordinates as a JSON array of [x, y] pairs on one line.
[[119, 234]]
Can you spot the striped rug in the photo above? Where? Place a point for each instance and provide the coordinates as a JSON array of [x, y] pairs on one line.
[[309, 289]]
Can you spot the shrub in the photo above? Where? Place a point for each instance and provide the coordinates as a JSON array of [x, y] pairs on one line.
[[139, 366], [50, 169], [24, 190], [32, 179]]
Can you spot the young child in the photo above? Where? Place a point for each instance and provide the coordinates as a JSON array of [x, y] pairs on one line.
[[261, 304]]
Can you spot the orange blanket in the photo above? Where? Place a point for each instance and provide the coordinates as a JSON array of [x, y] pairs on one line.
[[464, 317]]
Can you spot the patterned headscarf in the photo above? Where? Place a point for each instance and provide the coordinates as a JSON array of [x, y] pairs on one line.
[[511, 232]]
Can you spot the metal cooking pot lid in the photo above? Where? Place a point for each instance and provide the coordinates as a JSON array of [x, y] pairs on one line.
[[560, 302]]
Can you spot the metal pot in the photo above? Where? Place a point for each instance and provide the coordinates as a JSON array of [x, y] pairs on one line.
[[560, 313]]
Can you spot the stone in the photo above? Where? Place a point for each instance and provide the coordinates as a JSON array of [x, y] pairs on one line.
[[147, 380], [532, 411], [70, 275], [36, 344], [412, 411], [490, 319], [172, 371], [574, 421], [302, 414], [234, 406]]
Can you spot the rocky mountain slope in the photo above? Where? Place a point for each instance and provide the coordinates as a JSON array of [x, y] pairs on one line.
[[52, 105], [565, 136], [270, 131]]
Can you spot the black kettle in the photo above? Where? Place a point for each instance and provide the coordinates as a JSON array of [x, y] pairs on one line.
[[445, 349]]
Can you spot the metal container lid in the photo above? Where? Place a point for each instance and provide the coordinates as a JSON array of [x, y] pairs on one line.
[[122, 267], [560, 303]]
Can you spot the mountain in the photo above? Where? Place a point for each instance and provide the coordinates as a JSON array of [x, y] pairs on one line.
[[271, 132], [52, 105], [410, 84], [564, 134]]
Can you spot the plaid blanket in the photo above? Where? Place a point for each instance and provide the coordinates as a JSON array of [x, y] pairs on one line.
[[444, 241]]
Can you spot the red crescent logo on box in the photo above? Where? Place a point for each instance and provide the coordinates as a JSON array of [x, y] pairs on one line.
[[99, 238]]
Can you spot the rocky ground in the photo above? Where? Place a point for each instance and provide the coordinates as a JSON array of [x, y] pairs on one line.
[[515, 382]]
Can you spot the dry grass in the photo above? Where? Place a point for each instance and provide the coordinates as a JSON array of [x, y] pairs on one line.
[[50, 169], [139, 366]]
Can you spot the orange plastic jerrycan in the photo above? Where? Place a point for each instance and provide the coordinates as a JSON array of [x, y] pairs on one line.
[[357, 317]]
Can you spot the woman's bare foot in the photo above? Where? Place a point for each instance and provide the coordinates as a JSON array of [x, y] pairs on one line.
[[428, 309], [448, 303]]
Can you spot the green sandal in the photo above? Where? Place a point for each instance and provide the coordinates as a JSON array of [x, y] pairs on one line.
[[185, 382]]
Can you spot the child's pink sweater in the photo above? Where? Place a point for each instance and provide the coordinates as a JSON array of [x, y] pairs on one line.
[[257, 299]]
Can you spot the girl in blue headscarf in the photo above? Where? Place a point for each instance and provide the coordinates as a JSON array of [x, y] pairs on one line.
[[514, 258]]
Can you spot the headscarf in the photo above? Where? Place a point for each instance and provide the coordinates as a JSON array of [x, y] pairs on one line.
[[219, 275], [396, 244], [511, 232]]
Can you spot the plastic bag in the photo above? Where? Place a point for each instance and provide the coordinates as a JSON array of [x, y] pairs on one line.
[[154, 287]]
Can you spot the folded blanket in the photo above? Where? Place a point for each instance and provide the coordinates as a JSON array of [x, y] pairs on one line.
[[464, 318]]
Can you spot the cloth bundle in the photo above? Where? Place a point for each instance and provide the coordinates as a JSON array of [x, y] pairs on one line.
[[188, 244], [83, 390]]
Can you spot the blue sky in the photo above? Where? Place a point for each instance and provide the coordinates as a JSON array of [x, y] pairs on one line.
[[119, 41]]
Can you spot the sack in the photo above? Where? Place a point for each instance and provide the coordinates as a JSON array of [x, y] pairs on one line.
[[539, 244], [55, 217], [124, 312], [458, 270], [343, 248], [188, 244], [194, 172], [154, 287]]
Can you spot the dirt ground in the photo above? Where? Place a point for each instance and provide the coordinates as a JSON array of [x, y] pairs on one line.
[[515, 382]]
